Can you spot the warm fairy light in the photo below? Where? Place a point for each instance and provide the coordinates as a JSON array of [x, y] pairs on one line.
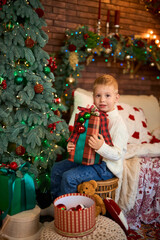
[[151, 32], [159, 45], [154, 36], [157, 41], [148, 35]]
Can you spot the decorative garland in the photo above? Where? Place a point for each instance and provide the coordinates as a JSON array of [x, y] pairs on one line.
[[153, 6], [81, 46]]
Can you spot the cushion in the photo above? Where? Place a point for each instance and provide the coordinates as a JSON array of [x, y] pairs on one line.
[[115, 213], [149, 104], [136, 123]]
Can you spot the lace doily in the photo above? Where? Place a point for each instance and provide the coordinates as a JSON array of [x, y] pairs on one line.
[[106, 229]]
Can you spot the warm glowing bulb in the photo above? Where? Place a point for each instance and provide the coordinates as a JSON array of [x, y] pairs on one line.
[[154, 36], [157, 41], [148, 35], [159, 45], [151, 32]]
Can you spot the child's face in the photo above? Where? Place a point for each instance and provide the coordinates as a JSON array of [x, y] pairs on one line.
[[105, 97]]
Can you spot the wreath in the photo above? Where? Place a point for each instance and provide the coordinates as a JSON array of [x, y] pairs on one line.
[[82, 45]]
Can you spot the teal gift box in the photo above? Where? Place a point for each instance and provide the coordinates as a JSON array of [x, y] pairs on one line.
[[16, 194]]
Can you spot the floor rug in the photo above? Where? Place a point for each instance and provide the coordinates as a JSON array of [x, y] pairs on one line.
[[146, 232]]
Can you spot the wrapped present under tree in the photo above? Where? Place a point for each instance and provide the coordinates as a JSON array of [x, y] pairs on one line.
[[88, 122], [17, 194]]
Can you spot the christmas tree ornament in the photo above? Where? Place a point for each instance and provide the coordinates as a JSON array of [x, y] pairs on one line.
[[9, 26], [29, 42], [4, 84], [20, 150], [87, 115], [81, 120], [1, 80], [80, 207], [47, 69], [13, 165], [72, 209], [81, 129], [57, 100], [38, 88], [52, 126], [52, 64], [40, 12], [20, 80], [61, 206], [70, 80]]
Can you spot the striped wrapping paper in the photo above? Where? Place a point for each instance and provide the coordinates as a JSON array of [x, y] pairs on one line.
[[74, 223]]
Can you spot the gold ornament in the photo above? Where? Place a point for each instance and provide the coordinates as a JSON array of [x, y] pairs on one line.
[[70, 80], [73, 59]]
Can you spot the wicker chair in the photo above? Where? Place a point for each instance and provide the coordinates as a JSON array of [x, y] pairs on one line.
[[106, 188]]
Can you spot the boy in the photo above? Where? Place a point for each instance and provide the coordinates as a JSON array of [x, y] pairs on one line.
[[66, 175]]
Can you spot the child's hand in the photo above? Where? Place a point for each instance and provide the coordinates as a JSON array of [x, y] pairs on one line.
[[96, 142], [70, 146]]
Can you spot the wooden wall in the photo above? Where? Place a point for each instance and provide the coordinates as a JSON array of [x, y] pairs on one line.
[[134, 20]]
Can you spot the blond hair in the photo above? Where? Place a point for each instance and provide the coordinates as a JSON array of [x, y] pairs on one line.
[[107, 80]]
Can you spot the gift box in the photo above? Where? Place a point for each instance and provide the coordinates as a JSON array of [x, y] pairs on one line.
[[82, 153], [94, 123], [72, 223], [16, 194]]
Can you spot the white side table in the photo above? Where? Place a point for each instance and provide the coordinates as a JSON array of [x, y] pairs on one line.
[[106, 229]]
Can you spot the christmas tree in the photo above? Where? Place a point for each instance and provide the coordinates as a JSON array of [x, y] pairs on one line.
[[31, 127]]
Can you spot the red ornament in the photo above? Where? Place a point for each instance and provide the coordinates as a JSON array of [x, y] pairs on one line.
[[61, 206], [29, 42], [72, 209], [13, 165], [80, 207], [38, 88], [40, 12], [72, 47], [81, 129], [20, 150], [52, 64], [4, 84], [52, 126], [57, 100]]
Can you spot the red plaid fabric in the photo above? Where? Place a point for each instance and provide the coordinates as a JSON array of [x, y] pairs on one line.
[[97, 124], [103, 127], [89, 153]]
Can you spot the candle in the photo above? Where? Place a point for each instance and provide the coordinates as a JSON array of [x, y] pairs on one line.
[[108, 15], [99, 10], [117, 17]]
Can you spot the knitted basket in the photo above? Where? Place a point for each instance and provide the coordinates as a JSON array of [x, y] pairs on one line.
[[106, 188]]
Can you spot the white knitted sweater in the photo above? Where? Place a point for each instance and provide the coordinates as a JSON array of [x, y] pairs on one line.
[[114, 155]]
